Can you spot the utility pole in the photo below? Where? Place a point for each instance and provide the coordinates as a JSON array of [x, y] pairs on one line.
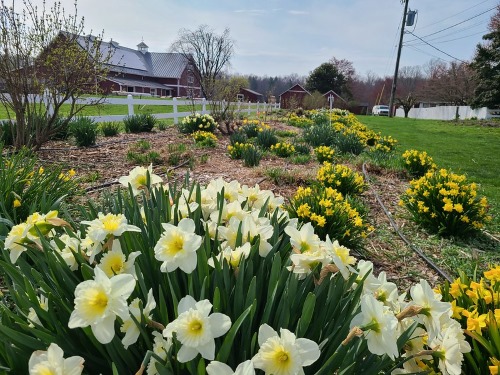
[[395, 79]]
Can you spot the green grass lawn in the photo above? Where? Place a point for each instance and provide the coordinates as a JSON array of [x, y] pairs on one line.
[[463, 147]]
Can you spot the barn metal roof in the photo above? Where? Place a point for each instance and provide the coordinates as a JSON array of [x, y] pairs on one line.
[[140, 83], [151, 64]]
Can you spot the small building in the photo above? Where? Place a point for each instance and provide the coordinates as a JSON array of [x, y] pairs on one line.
[[338, 101], [247, 95], [138, 71], [293, 97]]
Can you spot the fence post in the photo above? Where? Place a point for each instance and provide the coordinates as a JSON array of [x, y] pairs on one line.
[[130, 105], [176, 119], [203, 106], [257, 110], [249, 107]]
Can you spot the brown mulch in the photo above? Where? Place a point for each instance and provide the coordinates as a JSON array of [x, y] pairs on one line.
[[107, 161]]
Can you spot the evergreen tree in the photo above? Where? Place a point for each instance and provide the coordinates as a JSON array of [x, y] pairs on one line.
[[486, 64], [326, 77]]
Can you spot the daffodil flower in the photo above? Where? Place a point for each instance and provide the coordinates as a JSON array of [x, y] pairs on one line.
[[219, 368], [177, 247], [52, 361], [196, 329], [137, 179], [285, 355], [130, 328], [98, 302], [114, 262], [303, 240]]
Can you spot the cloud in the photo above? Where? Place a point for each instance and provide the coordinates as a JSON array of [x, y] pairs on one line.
[[297, 12], [254, 12]]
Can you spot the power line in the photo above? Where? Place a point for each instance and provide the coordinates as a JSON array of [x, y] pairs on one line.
[[437, 49], [461, 22], [426, 53], [446, 41], [453, 15]]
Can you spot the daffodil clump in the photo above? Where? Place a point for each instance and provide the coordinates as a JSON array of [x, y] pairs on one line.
[[476, 306], [25, 187], [444, 202], [204, 138], [324, 153], [385, 144], [193, 123], [252, 127], [208, 279], [299, 121], [341, 178], [236, 151], [283, 149], [330, 214], [418, 163]]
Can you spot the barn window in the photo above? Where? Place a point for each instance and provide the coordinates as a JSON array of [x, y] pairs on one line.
[[240, 97]]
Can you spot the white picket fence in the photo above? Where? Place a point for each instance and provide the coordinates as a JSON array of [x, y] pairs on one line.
[[450, 113], [243, 108]]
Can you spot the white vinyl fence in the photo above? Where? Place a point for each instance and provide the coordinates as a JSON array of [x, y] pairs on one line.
[[172, 107], [450, 113]]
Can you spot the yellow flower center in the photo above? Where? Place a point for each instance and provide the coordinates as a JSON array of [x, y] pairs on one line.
[[174, 245], [111, 224], [195, 326], [42, 369], [95, 303]]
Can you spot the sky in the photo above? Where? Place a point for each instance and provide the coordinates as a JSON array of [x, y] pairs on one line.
[[279, 38]]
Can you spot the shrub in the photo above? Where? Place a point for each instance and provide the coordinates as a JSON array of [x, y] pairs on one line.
[[236, 151], [238, 136], [417, 163], [84, 130], [341, 178], [475, 305], [109, 128], [63, 127], [444, 202], [205, 139], [7, 129], [302, 148], [251, 156], [324, 153], [329, 213], [139, 123], [319, 135], [349, 142], [26, 188], [300, 159], [125, 282], [266, 138], [193, 123], [283, 149]]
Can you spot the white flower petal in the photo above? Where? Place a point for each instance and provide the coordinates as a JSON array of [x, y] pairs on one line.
[[104, 331], [219, 368], [187, 225], [204, 307], [185, 304], [207, 350], [309, 351], [266, 332], [186, 354], [219, 324]]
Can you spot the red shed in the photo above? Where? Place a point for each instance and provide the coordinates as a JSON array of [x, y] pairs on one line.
[[247, 95], [293, 97]]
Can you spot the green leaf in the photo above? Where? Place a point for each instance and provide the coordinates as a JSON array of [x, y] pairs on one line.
[[307, 313], [227, 345]]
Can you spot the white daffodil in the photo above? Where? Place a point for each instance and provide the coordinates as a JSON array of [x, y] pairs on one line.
[[379, 325], [229, 211], [160, 348], [71, 245], [32, 316], [285, 355], [114, 262], [52, 361], [99, 301], [340, 256], [450, 344], [104, 226], [232, 257], [249, 230], [304, 263], [383, 290], [138, 177], [196, 329], [303, 240], [177, 247], [219, 368], [254, 197], [15, 240], [432, 307], [130, 328]]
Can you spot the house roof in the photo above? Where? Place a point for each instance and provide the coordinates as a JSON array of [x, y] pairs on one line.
[[299, 87], [331, 92], [252, 92], [139, 83], [132, 61]]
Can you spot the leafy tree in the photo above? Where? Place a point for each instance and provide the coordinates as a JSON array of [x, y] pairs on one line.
[[326, 77], [410, 82], [486, 64], [208, 52], [44, 63]]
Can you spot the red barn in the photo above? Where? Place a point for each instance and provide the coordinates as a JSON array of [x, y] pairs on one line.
[[247, 95], [293, 97], [142, 72]]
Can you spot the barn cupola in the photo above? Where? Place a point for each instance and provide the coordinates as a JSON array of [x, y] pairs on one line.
[[142, 47]]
